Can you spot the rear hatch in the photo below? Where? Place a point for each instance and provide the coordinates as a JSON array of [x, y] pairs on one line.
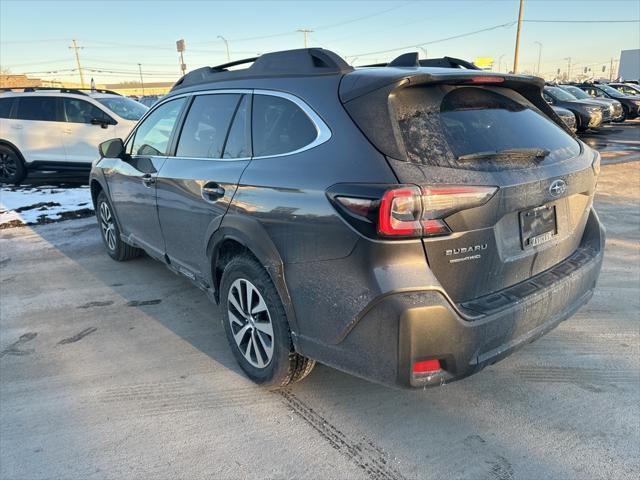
[[463, 128]]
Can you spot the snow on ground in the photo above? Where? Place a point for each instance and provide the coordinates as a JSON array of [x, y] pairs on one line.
[[29, 205]]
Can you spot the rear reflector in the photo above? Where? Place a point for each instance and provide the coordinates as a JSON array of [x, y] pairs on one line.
[[426, 366]]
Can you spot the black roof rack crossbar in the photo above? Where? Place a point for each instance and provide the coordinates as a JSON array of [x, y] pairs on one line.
[[411, 60], [225, 66], [300, 62]]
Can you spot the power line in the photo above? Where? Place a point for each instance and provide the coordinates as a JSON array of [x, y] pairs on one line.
[[419, 44], [365, 17], [581, 21]]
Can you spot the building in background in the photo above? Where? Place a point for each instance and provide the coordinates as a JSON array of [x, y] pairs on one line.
[[629, 67]]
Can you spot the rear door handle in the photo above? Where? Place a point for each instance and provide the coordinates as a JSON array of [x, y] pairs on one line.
[[148, 179], [211, 192]]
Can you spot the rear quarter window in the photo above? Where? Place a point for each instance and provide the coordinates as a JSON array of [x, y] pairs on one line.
[[279, 126], [439, 125]]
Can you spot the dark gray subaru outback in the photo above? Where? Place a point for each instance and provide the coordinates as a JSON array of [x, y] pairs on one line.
[[409, 223]]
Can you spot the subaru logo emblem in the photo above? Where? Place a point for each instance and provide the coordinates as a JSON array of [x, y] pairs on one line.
[[557, 188]]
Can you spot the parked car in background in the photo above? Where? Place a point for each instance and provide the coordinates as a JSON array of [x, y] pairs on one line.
[[626, 88], [406, 224], [616, 112], [567, 116], [589, 114], [630, 103], [59, 129], [149, 100]]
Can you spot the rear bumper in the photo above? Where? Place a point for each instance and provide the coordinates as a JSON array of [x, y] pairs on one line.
[[407, 327]]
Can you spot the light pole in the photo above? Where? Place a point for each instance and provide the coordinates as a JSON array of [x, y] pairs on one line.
[[141, 81], [515, 55], [424, 50], [226, 44], [500, 62], [539, 56], [568, 59], [306, 32]]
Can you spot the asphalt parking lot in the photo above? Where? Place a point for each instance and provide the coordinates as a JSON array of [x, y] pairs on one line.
[[122, 370]]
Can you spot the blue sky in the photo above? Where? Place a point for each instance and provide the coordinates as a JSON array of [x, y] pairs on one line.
[[117, 35]]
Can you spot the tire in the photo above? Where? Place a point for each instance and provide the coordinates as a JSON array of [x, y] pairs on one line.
[[110, 233], [264, 349], [12, 167]]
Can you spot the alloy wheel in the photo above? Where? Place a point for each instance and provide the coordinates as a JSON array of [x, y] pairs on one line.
[[250, 323], [8, 165], [107, 225]]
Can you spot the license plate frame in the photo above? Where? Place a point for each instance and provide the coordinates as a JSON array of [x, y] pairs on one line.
[[538, 225]]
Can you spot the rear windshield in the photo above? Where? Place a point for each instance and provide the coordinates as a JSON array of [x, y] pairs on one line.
[[477, 128], [576, 92]]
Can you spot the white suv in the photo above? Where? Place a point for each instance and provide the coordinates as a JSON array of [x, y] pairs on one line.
[[59, 129]]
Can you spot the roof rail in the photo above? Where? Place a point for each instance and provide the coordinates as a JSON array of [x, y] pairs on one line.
[[300, 62], [77, 91]]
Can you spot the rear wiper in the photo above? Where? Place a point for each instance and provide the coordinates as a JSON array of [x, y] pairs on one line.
[[537, 153]]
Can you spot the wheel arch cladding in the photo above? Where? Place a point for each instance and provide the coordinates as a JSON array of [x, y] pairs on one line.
[[239, 234], [96, 188]]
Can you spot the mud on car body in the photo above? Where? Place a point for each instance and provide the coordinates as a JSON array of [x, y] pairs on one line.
[[408, 224]]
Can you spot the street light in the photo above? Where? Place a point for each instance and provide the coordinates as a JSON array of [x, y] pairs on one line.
[[226, 44], [424, 50], [141, 81], [568, 59], [539, 56], [500, 62]]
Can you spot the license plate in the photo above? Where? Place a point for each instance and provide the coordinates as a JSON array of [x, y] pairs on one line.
[[537, 225]]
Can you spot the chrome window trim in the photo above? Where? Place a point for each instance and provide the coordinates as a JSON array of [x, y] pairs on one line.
[[323, 132]]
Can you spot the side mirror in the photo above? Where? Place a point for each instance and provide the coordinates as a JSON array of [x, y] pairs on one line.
[[101, 121], [113, 148]]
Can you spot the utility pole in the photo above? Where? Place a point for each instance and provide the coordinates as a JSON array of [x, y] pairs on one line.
[[568, 59], [181, 48], [141, 81], [226, 44], [74, 46], [306, 32], [515, 55], [539, 57]]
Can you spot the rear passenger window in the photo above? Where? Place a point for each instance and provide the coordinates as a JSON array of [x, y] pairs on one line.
[[239, 138], [279, 126], [38, 108], [5, 107], [207, 124]]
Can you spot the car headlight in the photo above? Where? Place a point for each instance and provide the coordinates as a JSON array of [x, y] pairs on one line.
[[637, 103]]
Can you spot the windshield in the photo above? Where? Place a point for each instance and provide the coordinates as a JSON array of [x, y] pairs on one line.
[[576, 92], [444, 126], [612, 91], [124, 107], [560, 94]]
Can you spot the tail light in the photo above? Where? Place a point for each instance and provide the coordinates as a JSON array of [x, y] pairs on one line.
[[419, 211]]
